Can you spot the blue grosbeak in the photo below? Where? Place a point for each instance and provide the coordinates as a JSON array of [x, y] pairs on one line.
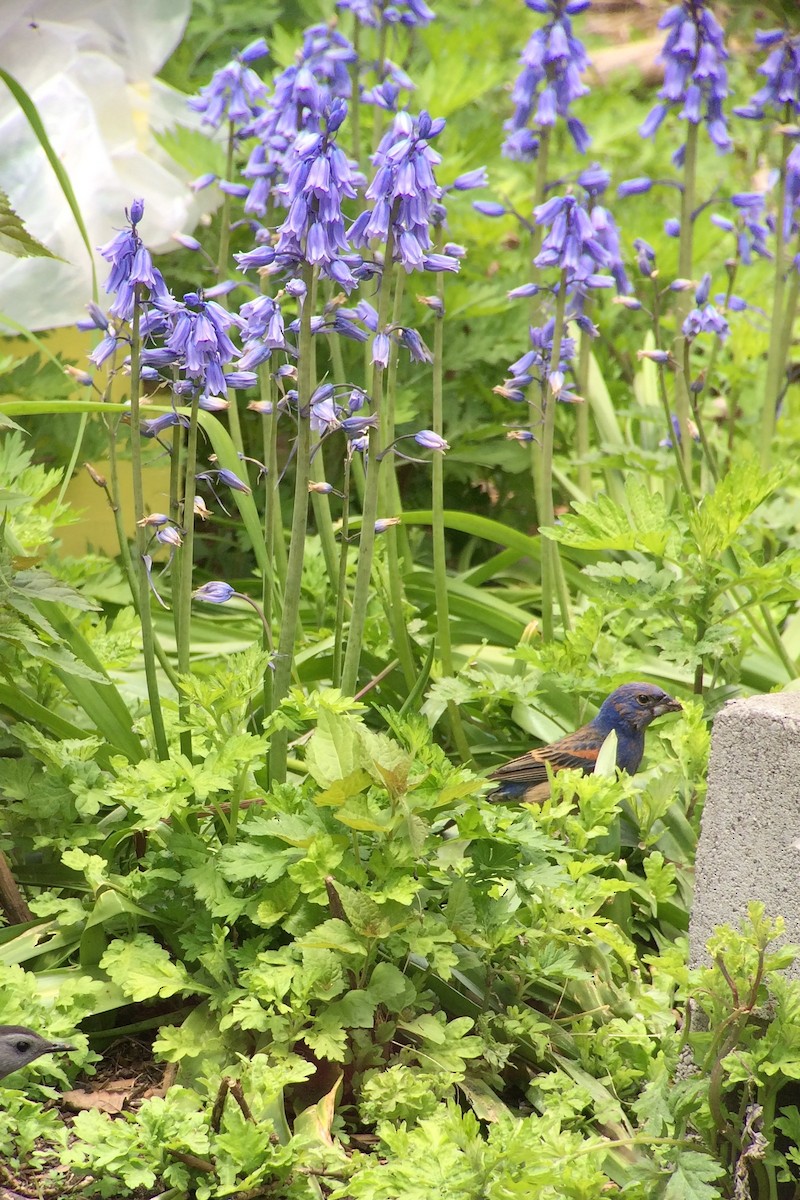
[[627, 711]]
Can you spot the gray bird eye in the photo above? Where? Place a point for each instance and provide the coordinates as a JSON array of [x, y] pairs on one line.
[[22, 1047]]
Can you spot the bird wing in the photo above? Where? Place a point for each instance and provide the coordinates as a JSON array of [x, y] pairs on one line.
[[578, 750]]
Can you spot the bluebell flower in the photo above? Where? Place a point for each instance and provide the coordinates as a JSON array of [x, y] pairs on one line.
[[695, 75], [262, 331], [413, 343], [704, 317], [672, 227], [634, 187], [153, 426], [489, 208], [645, 257], [131, 266], [781, 93], [375, 13], [691, 427], [235, 91], [549, 82], [168, 535], [752, 232], [431, 441], [607, 234], [214, 592], [571, 242], [381, 346], [404, 192], [477, 178], [594, 180]]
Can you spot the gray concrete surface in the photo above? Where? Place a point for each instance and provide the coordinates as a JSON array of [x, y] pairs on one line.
[[750, 838]]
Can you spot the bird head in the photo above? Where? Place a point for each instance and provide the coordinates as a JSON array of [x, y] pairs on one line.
[[634, 705], [20, 1046]]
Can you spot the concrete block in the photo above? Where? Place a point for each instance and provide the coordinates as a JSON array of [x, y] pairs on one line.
[[749, 845]]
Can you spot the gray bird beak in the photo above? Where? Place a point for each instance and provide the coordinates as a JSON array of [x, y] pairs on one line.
[[667, 706], [53, 1047]]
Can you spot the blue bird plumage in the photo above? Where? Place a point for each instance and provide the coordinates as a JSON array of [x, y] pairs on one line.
[[627, 711]]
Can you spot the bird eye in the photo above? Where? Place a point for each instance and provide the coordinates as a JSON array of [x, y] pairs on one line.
[[643, 698], [22, 1047]]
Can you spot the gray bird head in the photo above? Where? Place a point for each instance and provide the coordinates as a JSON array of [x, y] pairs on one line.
[[20, 1046]]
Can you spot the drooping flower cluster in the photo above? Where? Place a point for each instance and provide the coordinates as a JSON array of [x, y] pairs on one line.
[[749, 226], [704, 317], [131, 266], [187, 346], [301, 94], [262, 331], [781, 92], [235, 91], [550, 80], [536, 366], [595, 180], [320, 177], [571, 242], [695, 75], [383, 12], [404, 194]]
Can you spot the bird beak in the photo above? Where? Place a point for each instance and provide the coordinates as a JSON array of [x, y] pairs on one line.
[[57, 1046], [667, 705]]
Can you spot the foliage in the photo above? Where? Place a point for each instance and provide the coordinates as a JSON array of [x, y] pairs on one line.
[[257, 837]]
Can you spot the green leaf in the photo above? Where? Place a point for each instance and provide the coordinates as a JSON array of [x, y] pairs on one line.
[[691, 1175], [737, 495], [334, 751], [390, 987], [14, 237], [334, 934], [365, 916], [641, 524], [144, 970]]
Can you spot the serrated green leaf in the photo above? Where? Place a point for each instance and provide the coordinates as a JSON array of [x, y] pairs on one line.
[[15, 238], [641, 523], [143, 969]]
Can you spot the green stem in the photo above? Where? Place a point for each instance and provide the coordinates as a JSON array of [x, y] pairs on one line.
[[222, 272], [269, 435], [145, 615], [547, 517], [294, 571], [708, 453], [662, 391], [437, 528], [775, 355], [685, 261], [341, 591], [113, 496], [321, 505], [389, 504], [582, 416], [366, 543], [537, 234], [183, 604]]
